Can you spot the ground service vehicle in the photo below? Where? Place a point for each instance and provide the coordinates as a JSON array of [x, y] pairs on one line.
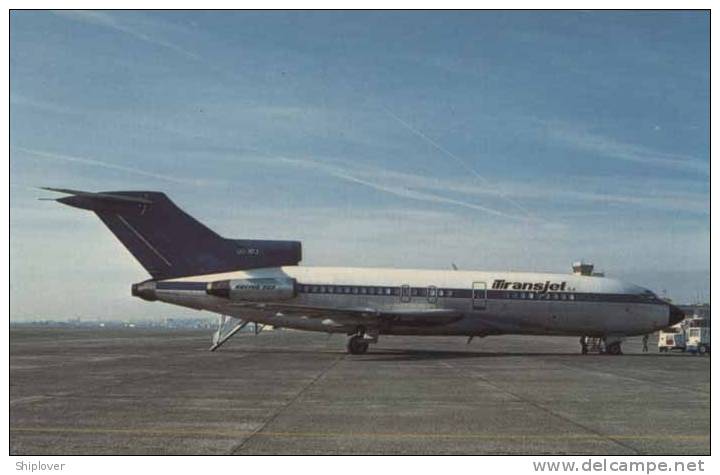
[[698, 336], [672, 338]]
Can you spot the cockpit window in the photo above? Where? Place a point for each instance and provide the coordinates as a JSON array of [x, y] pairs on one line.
[[649, 295]]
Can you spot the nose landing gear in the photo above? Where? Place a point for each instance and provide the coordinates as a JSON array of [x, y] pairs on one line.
[[613, 344]]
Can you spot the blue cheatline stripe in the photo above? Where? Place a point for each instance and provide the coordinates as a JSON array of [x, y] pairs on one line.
[[182, 286], [422, 292]]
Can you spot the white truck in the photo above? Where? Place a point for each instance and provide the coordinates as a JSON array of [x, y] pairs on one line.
[[672, 338], [697, 334]]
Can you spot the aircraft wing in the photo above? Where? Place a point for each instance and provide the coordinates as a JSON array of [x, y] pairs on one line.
[[404, 316]]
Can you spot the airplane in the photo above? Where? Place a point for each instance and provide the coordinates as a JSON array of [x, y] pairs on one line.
[[261, 281]]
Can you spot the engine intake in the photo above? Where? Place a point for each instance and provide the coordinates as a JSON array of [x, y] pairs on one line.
[[258, 289]]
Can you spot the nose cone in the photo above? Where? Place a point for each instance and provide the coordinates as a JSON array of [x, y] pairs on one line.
[[676, 315], [145, 290]]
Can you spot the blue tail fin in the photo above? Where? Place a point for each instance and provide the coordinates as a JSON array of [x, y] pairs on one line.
[[170, 243]]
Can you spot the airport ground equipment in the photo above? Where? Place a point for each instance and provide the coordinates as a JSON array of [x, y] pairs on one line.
[[610, 345], [594, 345], [698, 336], [227, 327], [672, 338]]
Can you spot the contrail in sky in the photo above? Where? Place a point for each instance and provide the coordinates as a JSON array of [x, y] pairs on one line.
[[110, 166], [421, 196], [104, 19], [462, 162], [347, 175]]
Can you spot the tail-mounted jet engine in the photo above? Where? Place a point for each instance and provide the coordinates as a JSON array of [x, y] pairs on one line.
[[258, 289]]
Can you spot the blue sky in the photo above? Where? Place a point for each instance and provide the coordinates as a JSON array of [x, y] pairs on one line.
[[495, 140]]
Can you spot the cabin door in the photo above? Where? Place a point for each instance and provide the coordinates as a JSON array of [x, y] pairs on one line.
[[479, 296]]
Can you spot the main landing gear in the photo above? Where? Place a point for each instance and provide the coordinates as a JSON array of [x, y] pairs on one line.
[[356, 345], [359, 342], [614, 348]]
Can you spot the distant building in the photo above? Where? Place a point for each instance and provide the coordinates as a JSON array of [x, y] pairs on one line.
[[585, 268], [699, 310]]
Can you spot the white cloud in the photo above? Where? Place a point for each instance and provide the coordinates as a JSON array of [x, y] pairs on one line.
[[665, 194], [611, 148]]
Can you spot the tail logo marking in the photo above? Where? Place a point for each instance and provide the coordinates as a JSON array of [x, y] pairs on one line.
[[145, 241]]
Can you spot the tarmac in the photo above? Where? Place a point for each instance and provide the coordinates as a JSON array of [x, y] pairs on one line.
[[145, 391]]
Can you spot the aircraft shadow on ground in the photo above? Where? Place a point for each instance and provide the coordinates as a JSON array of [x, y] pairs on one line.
[[416, 355], [402, 354], [419, 354]]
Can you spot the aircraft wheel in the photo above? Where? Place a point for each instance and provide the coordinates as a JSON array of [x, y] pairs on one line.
[[614, 349], [356, 345]]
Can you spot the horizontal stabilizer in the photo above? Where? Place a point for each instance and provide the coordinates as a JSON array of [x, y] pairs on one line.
[[99, 196]]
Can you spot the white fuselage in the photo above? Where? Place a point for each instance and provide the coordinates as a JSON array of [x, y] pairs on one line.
[[488, 302]]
